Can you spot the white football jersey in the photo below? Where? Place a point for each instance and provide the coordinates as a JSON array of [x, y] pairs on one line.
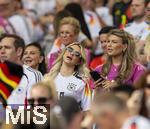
[[30, 77], [25, 29], [138, 30], [138, 122], [74, 86], [92, 23]]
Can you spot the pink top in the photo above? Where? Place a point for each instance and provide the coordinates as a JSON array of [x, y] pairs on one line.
[[137, 71]]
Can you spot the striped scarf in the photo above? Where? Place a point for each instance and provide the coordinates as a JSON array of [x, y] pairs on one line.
[[10, 76]]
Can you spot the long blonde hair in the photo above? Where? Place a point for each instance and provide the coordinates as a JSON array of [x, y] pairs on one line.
[[129, 56], [81, 68], [147, 47]]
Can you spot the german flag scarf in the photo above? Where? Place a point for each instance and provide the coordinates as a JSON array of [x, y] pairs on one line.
[[10, 76]]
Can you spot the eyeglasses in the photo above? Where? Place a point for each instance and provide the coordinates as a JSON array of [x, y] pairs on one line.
[[41, 100], [147, 86], [76, 53]]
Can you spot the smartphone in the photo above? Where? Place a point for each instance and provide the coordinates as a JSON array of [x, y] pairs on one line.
[[95, 75]]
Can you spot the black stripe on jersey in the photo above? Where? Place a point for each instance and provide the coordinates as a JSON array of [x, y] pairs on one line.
[[76, 74], [37, 73], [80, 107], [7, 86], [36, 78], [39, 77], [4, 103], [26, 76]]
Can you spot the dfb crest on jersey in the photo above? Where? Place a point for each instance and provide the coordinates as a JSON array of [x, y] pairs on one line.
[[71, 87]]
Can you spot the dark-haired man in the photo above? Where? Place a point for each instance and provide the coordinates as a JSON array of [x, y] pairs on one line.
[[11, 49]]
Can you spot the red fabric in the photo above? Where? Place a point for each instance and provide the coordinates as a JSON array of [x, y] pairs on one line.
[[11, 72], [96, 62], [129, 13], [7, 73], [133, 126], [26, 102], [4, 89]]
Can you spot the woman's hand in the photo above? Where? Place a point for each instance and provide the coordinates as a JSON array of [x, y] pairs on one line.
[[107, 84], [98, 83]]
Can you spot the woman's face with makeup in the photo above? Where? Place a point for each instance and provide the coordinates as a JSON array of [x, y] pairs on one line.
[[67, 34]]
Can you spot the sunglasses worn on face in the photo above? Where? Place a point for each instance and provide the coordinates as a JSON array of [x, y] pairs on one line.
[[70, 49], [147, 86], [41, 100]]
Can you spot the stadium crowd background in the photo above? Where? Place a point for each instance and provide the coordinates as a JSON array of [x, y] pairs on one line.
[[88, 59]]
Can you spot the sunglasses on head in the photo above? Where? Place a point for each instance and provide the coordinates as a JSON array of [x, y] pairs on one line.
[[41, 100], [76, 53]]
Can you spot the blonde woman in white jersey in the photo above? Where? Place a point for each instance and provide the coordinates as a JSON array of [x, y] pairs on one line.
[[71, 74]]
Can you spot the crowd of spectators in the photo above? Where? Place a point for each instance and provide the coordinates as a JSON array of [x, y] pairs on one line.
[[86, 61]]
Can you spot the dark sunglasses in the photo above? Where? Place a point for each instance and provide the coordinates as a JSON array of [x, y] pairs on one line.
[[70, 49], [41, 100], [147, 86]]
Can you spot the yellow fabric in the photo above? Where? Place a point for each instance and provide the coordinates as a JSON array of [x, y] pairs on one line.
[[7, 80], [3, 94]]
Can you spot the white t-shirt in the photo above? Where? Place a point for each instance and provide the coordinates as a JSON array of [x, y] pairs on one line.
[[138, 30], [74, 86], [30, 77], [23, 27], [104, 13], [138, 122], [40, 6], [92, 23]]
